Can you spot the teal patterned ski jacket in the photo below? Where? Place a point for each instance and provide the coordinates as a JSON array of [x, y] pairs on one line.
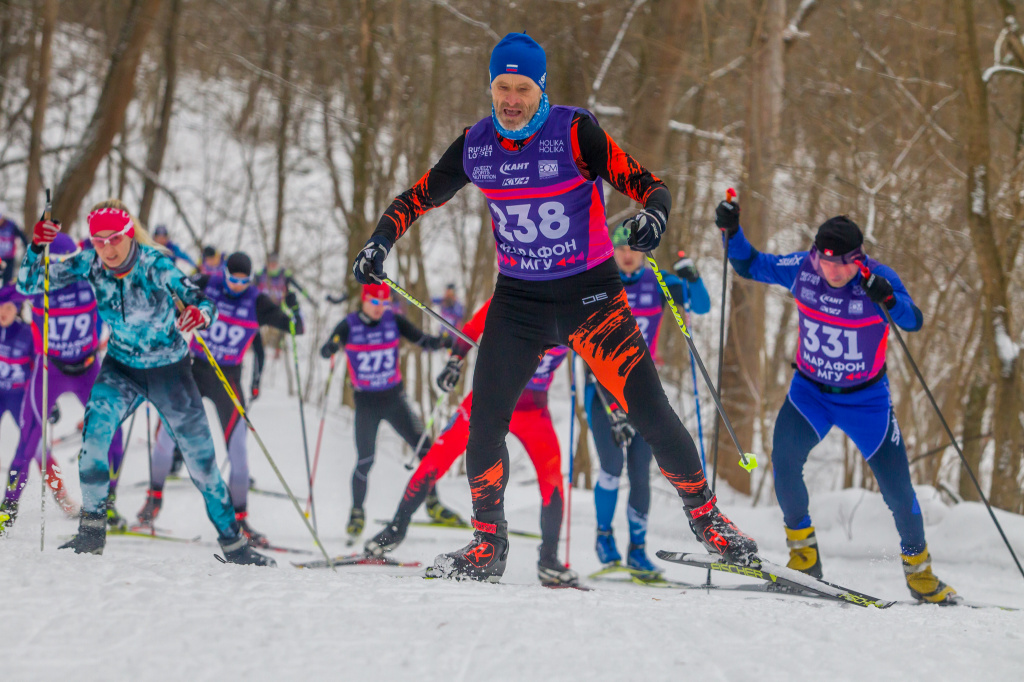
[[139, 308]]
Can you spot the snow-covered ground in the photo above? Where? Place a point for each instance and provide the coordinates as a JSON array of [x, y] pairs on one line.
[[167, 611]]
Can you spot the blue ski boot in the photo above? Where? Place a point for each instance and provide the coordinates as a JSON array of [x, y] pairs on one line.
[[607, 552], [637, 559]]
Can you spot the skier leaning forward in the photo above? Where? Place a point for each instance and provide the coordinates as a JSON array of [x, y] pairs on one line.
[[840, 381], [136, 289], [530, 423], [540, 169]]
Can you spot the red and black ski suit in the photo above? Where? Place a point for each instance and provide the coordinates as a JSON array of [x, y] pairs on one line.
[[530, 423]]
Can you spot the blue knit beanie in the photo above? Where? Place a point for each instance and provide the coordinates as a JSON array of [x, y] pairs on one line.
[[519, 53]]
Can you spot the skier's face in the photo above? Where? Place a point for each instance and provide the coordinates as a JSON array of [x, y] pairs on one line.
[[516, 99], [238, 281], [161, 239], [374, 308], [8, 311], [838, 274], [628, 260], [110, 253]]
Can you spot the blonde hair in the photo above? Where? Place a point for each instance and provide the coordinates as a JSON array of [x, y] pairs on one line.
[[142, 235]]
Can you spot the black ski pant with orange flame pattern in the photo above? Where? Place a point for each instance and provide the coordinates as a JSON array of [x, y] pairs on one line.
[[587, 312]]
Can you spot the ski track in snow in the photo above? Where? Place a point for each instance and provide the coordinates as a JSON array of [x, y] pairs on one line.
[[169, 611]]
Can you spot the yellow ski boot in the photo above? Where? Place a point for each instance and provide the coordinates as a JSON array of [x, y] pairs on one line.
[[924, 585], [803, 551], [441, 514]]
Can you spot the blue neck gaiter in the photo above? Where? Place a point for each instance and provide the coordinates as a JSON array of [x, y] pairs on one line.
[[530, 128]]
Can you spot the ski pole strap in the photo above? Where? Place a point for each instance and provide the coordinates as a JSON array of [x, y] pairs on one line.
[[445, 323], [668, 295]]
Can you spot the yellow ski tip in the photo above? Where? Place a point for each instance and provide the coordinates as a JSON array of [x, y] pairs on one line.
[[748, 461]]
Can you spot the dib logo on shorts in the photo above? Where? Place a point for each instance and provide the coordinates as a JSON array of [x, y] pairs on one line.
[[547, 169]]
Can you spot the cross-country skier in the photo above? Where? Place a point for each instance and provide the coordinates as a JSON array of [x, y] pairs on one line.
[[137, 290], [541, 168], [839, 381], [16, 354], [616, 440], [530, 423], [74, 340], [10, 233], [241, 310], [277, 282], [449, 307], [163, 238], [211, 263], [370, 338]]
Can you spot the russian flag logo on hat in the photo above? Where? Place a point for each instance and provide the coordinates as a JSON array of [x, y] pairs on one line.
[[512, 68]]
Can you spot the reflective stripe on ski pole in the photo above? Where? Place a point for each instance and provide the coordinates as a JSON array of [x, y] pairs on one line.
[[747, 459], [445, 323], [259, 441], [302, 410], [320, 435], [426, 430], [952, 439], [46, 377]]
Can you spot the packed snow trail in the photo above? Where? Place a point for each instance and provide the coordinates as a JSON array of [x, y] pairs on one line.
[[170, 611]]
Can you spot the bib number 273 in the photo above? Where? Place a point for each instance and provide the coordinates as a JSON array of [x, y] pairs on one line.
[[553, 223]]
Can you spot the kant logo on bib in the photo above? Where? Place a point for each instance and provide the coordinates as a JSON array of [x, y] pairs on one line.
[[508, 168], [547, 169]]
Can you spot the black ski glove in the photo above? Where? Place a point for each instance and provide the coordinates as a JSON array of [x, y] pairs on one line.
[[622, 431], [686, 269], [332, 346], [292, 301], [369, 265], [727, 218], [451, 373], [645, 229], [878, 288]]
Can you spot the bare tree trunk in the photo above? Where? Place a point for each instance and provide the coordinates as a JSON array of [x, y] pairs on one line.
[[34, 177], [108, 116], [973, 443], [1007, 430], [742, 373], [155, 159], [284, 120]]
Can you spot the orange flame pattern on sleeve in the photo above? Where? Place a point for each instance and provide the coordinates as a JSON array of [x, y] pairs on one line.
[[610, 342]]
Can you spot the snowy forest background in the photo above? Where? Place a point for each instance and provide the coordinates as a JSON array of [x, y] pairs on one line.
[[290, 124]]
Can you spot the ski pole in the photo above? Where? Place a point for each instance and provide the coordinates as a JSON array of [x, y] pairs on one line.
[[696, 398], [131, 425], [747, 459], [302, 410], [730, 195], [259, 441], [426, 430], [46, 375], [572, 455], [319, 436], [444, 323], [865, 273], [599, 390]]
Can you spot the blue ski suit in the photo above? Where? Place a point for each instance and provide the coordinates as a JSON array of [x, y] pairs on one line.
[[839, 381]]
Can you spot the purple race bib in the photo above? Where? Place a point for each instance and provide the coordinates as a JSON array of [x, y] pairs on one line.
[[73, 318], [231, 334], [372, 353], [545, 374]]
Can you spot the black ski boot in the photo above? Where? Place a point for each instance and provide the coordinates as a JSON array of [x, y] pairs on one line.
[[92, 534], [147, 515], [482, 559], [717, 533], [441, 514], [238, 551], [115, 522], [388, 539], [553, 573], [255, 538]]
